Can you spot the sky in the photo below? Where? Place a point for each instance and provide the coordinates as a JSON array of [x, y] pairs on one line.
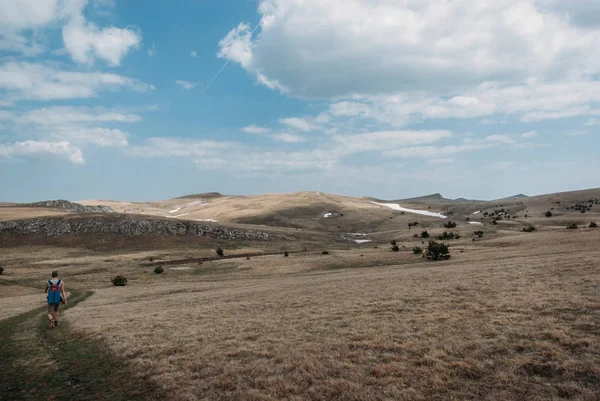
[[148, 100]]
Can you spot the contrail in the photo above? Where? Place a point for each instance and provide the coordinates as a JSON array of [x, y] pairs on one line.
[[224, 65]]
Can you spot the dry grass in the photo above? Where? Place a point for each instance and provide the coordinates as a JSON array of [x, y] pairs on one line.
[[517, 319]]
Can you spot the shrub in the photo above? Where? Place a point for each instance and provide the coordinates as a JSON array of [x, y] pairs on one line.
[[119, 280], [220, 252], [1, 269], [286, 254], [572, 226], [495, 222], [395, 248], [159, 270], [448, 235], [416, 235], [417, 250], [529, 229], [548, 213], [325, 253], [450, 224], [592, 225], [478, 233], [424, 234], [393, 242], [437, 251]]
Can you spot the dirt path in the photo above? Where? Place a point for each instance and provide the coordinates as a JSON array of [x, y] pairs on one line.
[[43, 364]]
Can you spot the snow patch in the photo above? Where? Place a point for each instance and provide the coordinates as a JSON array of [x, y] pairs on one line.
[[189, 204], [477, 212], [362, 241], [210, 220], [476, 223], [358, 234], [181, 268], [328, 214], [415, 211]]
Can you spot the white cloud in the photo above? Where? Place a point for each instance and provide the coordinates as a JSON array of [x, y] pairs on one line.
[[187, 85], [86, 42], [417, 45], [500, 138], [428, 152], [193, 53], [61, 150], [501, 166], [91, 136], [299, 124], [591, 122], [152, 50], [377, 141], [58, 115], [36, 81], [287, 137], [255, 129], [529, 135]]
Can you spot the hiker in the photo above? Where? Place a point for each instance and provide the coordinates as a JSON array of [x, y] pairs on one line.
[[55, 288]]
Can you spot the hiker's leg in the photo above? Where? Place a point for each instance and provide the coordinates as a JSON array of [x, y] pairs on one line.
[[56, 312], [50, 312]]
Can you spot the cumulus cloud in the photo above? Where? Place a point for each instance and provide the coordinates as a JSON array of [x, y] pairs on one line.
[[255, 129], [187, 85], [39, 81], [63, 150], [91, 136], [299, 124], [58, 115], [86, 42], [287, 138], [418, 45]]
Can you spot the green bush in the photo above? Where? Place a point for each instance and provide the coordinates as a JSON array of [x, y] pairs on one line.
[[529, 229], [478, 233], [592, 225], [424, 234], [417, 250], [159, 270], [437, 251], [495, 222], [450, 224], [448, 235], [395, 248], [286, 254], [119, 280], [548, 213], [572, 226], [326, 252], [393, 242], [1, 269], [220, 252]]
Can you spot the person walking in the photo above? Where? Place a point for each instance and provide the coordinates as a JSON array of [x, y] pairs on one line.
[[55, 288]]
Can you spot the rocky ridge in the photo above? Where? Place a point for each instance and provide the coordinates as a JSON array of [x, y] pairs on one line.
[[131, 226], [69, 206]]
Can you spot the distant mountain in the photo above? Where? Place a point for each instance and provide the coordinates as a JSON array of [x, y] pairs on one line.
[[69, 206], [206, 195]]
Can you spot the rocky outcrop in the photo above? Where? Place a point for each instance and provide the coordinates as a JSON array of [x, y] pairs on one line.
[[131, 226], [70, 206]]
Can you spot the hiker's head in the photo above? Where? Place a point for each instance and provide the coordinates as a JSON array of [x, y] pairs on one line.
[[54, 273]]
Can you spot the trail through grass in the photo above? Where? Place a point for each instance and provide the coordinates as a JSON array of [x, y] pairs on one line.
[[43, 364]]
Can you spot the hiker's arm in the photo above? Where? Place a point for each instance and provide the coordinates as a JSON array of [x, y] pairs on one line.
[[62, 292]]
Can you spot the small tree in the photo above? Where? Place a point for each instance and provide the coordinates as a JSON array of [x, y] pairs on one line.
[[395, 248], [286, 254], [417, 250], [424, 234], [119, 280], [572, 226], [159, 270], [548, 213], [437, 251], [393, 242], [220, 252], [450, 224], [592, 225]]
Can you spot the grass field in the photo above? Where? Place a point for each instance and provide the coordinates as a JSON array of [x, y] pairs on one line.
[[508, 318]]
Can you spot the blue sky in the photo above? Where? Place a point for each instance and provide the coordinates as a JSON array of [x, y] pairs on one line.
[[108, 99]]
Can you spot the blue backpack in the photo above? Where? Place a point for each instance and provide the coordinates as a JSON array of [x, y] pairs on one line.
[[54, 292]]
